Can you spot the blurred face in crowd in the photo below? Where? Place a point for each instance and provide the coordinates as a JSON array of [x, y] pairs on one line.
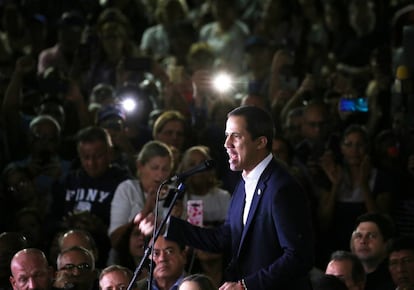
[[153, 172], [314, 126], [343, 270], [114, 280], [401, 266], [113, 39], [193, 159], [20, 187], [45, 140], [95, 157], [172, 133], [136, 243], [368, 243], [353, 148], [280, 150], [76, 267]]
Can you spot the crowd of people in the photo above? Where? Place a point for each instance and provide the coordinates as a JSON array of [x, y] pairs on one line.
[[102, 102]]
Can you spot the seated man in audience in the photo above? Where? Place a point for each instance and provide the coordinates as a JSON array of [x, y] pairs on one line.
[[170, 259], [90, 188], [369, 243], [10, 244], [348, 268], [30, 270], [76, 268], [80, 238], [115, 277], [401, 262]]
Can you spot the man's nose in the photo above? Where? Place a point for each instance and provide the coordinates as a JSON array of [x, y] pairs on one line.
[[227, 142]]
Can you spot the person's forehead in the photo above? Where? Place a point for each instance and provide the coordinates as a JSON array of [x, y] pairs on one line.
[[236, 122], [368, 227], [74, 239], [45, 126], [92, 146], [172, 124], [401, 254], [162, 243], [74, 257], [114, 278], [314, 112], [28, 261]]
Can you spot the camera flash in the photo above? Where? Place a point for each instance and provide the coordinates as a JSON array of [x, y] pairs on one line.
[[222, 82]]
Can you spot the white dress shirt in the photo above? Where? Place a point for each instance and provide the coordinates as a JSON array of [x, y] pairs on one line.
[[250, 183]]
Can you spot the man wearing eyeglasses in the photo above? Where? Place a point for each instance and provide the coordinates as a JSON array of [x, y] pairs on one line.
[[369, 243], [30, 270], [401, 262], [76, 269]]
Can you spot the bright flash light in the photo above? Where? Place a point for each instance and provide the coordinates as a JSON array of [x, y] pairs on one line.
[[222, 82], [128, 104]]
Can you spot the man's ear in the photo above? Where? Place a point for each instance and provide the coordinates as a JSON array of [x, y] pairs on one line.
[[12, 282], [261, 142]]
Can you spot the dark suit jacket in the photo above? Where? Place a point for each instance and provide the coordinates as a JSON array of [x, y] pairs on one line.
[[274, 250]]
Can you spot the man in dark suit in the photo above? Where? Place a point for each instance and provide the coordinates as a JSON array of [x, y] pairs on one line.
[[267, 237]]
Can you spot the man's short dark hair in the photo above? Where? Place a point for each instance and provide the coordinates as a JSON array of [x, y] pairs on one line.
[[401, 243], [93, 134], [358, 271], [383, 222], [258, 122]]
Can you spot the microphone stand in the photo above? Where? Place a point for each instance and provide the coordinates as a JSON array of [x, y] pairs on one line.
[[179, 191]]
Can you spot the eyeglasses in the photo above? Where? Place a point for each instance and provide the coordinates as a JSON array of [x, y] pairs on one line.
[[394, 263], [360, 236], [81, 267]]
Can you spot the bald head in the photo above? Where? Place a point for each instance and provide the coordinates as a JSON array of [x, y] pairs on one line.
[[10, 244], [78, 238], [30, 270]]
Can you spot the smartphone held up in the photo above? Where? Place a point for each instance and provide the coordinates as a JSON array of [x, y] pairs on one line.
[[359, 104]]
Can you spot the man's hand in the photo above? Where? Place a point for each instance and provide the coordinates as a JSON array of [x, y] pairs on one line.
[[145, 223]]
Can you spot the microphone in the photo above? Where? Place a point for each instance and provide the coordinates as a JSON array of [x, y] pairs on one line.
[[206, 165]]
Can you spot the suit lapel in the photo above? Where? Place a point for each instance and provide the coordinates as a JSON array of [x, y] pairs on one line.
[[255, 202], [237, 214]]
